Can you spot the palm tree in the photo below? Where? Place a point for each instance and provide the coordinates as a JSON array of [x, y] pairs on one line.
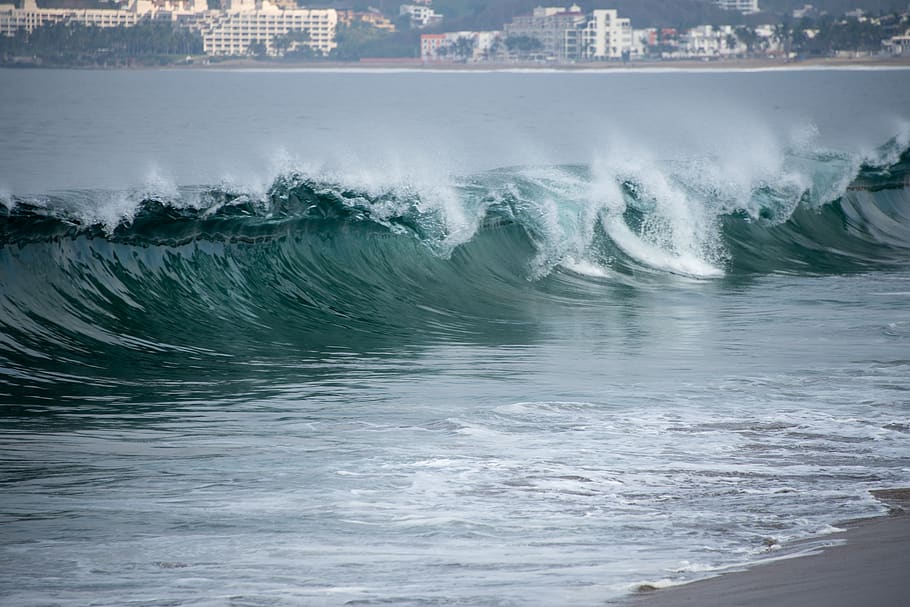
[[464, 48], [747, 36], [256, 49], [783, 33], [293, 39]]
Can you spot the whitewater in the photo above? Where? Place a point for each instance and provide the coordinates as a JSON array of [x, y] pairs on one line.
[[329, 338]]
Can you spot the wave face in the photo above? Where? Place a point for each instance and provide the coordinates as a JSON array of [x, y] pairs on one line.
[[316, 258]]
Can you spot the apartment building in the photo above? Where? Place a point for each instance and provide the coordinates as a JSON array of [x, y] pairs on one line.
[[606, 36], [557, 29], [247, 23], [30, 17], [568, 34]]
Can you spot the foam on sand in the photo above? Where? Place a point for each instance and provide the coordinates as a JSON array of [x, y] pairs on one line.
[[868, 568]]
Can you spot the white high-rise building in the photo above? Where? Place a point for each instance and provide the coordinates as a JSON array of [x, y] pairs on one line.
[[606, 36]]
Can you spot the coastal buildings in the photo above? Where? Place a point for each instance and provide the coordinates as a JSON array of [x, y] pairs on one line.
[[898, 46], [549, 34], [249, 25], [553, 34], [468, 47], [557, 29], [30, 16], [431, 45], [707, 41], [421, 16], [243, 27], [371, 17], [568, 34]]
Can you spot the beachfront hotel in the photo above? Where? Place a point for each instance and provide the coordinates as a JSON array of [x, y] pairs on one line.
[[242, 26], [31, 17], [247, 23]]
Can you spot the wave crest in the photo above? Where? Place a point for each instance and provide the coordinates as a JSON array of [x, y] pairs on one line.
[[321, 256]]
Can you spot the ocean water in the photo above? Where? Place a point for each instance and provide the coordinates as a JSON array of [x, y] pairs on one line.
[[359, 338]]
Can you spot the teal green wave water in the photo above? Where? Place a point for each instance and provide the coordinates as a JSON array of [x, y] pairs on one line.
[[313, 263]]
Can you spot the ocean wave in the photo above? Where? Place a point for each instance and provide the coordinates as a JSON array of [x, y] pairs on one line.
[[668, 210], [147, 271]]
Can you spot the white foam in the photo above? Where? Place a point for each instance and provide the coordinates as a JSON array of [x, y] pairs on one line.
[[586, 268], [6, 199], [689, 567], [653, 585], [655, 256]]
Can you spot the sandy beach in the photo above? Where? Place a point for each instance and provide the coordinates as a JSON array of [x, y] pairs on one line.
[[869, 568], [683, 65]]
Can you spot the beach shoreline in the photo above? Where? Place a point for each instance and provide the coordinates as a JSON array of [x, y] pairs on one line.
[[415, 65], [756, 64], [864, 565]]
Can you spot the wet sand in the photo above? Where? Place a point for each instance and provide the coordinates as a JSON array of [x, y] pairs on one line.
[[871, 568]]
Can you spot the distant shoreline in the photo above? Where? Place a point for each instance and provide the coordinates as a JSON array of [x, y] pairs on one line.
[[682, 64], [745, 65]]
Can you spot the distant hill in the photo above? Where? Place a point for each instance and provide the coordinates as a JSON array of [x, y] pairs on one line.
[[73, 4], [491, 14], [838, 7]]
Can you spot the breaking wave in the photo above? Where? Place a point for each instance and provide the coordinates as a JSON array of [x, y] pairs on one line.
[[314, 257]]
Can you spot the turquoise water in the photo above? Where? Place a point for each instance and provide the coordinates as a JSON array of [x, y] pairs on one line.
[[283, 338]]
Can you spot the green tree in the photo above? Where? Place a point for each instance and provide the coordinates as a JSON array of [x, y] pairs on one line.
[[843, 35], [493, 50], [363, 40], [148, 42], [257, 49], [463, 48], [749, 37], [292, 42], [523, 45], [352, 40], [800, 39], [783, 34]]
